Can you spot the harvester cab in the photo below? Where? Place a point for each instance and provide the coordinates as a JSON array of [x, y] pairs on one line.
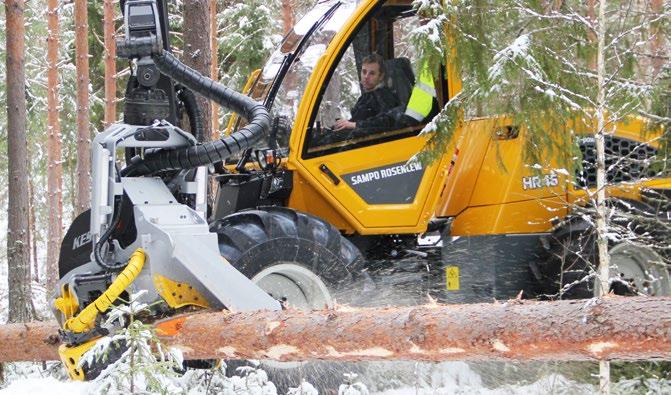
[[479, 222]]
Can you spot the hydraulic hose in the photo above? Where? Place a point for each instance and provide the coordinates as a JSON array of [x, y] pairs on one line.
[[97, 248], [86, 319], [211, 152], [193, 112]]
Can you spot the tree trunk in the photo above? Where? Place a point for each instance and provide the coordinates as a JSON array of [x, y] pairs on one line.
[[54, 155], [657, 44], [609, 328], [110, 63], [287, 15], [601, 215], [591, 35], [214, 66], [83, 121], [18, 253], [32, 226], [601, 121], [197, 49]]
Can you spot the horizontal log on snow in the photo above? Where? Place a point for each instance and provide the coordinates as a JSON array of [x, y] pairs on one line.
[[610, 328], [30, 341]]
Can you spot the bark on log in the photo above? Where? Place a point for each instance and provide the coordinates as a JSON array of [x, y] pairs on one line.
[[31, 341], [611, 328]]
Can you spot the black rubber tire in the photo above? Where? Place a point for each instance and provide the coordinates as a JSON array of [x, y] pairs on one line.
[[571, 257], [569, 271], [254, 240], [257, 239]]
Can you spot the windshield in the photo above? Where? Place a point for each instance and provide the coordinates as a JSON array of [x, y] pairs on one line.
[[284, 77]]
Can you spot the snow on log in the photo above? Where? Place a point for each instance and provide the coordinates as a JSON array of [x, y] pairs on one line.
[[610, 328]]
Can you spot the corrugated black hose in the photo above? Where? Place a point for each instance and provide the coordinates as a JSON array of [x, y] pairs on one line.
[[211, 152], [193, 112]]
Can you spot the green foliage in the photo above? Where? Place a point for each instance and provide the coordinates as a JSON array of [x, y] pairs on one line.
[[247, 35], [536, 64], [144, 365]]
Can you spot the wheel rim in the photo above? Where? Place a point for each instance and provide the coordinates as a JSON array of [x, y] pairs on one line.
[[640, 268], [295, 286]]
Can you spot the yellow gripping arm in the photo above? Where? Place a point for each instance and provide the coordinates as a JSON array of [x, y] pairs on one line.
[[86, 319]]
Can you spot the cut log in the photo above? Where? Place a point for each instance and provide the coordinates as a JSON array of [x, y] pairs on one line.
[[31, 341], [610, 328], [597, 329]]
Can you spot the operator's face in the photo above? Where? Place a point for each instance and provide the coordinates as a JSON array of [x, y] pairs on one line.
[[370, 76]]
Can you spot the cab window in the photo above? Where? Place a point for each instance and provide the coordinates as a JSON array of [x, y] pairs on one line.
[[367, 98]]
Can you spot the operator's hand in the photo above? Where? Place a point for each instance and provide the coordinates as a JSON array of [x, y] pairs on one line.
[[343, 124]]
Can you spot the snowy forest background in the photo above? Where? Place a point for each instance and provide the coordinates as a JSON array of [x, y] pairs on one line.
[[254, 28]]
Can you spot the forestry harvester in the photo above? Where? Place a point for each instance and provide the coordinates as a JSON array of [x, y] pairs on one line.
[[306, 214]]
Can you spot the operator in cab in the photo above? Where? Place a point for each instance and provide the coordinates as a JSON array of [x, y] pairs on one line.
[[376, 100]]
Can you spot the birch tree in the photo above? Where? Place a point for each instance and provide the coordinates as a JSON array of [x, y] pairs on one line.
[[18, 254]]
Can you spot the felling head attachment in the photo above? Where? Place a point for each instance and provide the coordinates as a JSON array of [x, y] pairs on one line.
[[149, 233]]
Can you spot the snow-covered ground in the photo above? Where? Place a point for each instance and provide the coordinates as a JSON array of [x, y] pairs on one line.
[[388, 378]]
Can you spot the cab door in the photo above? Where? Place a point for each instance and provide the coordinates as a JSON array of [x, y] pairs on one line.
[[368, 176]]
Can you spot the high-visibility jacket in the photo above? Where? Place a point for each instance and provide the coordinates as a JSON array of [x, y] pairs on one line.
[[422, 97]]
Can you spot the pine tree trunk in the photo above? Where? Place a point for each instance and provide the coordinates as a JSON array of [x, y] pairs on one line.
[[197, 49], [214, 66], [83, 121], [110, 63], [72, 185], [54, 155], [32, 226], [18, 254], [287, 15]]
